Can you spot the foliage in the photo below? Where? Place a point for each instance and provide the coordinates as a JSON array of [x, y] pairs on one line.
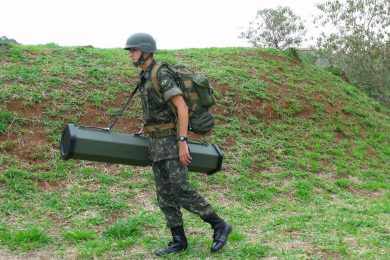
[[277, 28], [124, 229], [5, 119], [6, 41], [359, 44], [27, 239]]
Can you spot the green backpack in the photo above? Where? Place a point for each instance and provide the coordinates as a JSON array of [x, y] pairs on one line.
[[198, 95]]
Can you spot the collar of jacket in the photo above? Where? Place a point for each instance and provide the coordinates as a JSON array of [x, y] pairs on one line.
[[147, 73]]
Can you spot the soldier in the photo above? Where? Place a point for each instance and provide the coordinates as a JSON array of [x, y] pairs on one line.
[[169, 152]]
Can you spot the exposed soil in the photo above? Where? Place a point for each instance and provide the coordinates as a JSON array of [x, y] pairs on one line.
[[128, 125], [7, 137], [269, 113], [307, 112], [97, 117], [26, 111], [30, 145], [339, 136], [51, 185], [229, 141], [119, 100], [41, 255], [268, 56], [370, 152], [222, 88], [267, 80], [255, 107], [333, 108], [93, 116], [278, 90]]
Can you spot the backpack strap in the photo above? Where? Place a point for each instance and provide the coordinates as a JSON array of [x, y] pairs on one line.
[[156, 84]]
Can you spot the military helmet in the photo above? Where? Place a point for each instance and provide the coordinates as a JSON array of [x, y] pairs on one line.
[[142, 41]]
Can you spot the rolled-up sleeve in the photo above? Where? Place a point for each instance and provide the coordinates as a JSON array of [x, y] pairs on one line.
[[168, 85]]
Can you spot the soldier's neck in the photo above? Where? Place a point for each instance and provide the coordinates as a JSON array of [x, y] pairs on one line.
[[147, 64]]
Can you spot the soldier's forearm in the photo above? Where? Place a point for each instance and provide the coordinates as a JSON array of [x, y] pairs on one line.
[[182, 115]]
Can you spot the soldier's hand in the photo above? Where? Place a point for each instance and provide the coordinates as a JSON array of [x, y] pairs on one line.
[[140, 131], [184, 154]]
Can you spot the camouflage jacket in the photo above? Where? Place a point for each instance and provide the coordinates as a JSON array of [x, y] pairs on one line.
[[156, 110]]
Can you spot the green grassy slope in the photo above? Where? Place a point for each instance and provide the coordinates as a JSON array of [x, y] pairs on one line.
[[306, 172]]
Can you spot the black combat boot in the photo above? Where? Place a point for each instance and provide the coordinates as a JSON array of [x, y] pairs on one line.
[[178, 243], [221, 231]]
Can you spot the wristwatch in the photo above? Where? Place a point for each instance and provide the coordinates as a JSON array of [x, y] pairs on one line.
[[182, 138]]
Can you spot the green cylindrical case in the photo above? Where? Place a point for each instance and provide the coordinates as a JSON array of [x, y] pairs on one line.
[[97, 144]]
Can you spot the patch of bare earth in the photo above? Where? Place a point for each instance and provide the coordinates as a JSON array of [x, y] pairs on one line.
[[30, 144], [94, 116], [229, 141], [25, 111], [307, 111], [243, 108], [308, 247], [140, 250], [366, 193], [52, 185], [259, 109], [222, 88], [297, 244], [268, 56], [267, 80], [40, 255], [145, 199], [339, 136], [334, 108], [97, 117], [270, 170], [231, 104]]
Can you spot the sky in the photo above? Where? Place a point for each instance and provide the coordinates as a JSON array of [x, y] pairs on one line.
[[174, 24]]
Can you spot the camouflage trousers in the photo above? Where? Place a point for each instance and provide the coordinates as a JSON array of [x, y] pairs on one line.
[[174, 192]]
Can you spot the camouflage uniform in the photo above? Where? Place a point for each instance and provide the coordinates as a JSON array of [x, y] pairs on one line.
[[172, 187]]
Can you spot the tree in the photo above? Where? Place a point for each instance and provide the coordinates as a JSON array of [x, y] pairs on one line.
[[277, 28], [358, 42], [6, 41]]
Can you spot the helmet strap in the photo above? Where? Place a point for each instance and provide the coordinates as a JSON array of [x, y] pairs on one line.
[[141, 59]]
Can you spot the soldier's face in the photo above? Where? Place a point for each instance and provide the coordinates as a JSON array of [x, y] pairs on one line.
[[135, 54]]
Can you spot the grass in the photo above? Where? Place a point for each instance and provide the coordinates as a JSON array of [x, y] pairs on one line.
[[76, 236], [26, 239], [305, 170]]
